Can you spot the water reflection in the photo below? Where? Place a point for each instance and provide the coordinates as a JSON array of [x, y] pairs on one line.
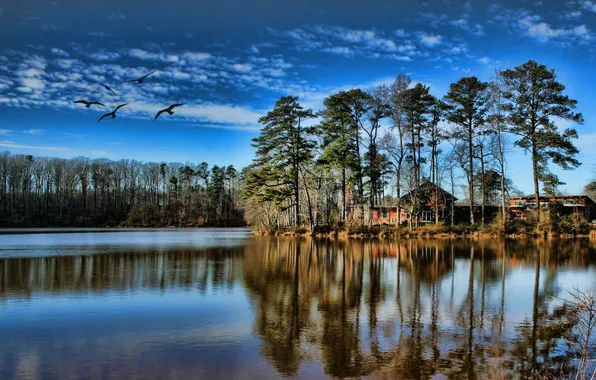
[[414, 309], [291, 307]]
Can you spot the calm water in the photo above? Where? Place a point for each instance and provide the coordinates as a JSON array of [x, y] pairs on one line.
[[188, 304]]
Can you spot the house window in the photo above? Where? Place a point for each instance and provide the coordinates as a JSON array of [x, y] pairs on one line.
[[427, 216], [384, 212]]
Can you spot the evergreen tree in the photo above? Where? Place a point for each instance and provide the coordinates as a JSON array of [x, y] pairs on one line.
[[534, 98], [338, 139], [284, 147], [360, 104], [467, 107], [418, 112], [374, 167]]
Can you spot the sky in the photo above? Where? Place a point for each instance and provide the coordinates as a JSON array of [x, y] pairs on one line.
[[228, 61]]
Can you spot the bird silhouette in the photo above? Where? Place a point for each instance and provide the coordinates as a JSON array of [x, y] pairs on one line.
[[108, 88], [113, 113], [168, 110], [140, 80], [88, 104]]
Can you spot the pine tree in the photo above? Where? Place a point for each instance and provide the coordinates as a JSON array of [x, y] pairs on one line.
[[534, 98], [467, 100], [338, 139], [417, 109], [284, 147]]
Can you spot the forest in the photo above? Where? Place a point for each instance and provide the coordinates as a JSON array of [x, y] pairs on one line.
[[326, 167], [373, 148], [39, 191]]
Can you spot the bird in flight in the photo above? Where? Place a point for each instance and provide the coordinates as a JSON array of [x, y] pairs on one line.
[[108, 88], [113, 113], [88, 104], [140, 80], [168, 110]]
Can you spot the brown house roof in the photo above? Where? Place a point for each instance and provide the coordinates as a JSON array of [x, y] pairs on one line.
[[426, 189]]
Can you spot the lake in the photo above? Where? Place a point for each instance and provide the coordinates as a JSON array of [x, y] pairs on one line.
[[221, 304]]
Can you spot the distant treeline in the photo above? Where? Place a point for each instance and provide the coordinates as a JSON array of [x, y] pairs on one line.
[[40, 191]]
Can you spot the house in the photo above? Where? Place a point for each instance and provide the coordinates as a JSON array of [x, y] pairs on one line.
[[565, 204], [425, 195]]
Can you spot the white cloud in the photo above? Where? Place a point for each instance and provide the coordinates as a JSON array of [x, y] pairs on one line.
[[340, 50], [242, 67], [462, 23], [195, 56], [104, 56], [35, 131], [33, 83], [483, 60], [217, 113], [588, 5], [13, 145], [151, 56], [430, 40], [534, 27], [60, 52], [5, 132]]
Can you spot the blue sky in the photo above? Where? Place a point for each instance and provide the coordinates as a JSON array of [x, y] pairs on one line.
[[230, 60]]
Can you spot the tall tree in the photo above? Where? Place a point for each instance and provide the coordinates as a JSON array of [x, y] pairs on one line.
[[374, 160], [435, 137], [339, 139], [393, 141], [497, 120], [417, 109], [360, 104], [467, 100], [535, 98], [283, 148]]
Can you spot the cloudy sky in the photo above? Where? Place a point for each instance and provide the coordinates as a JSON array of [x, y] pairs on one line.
[[230, 60]]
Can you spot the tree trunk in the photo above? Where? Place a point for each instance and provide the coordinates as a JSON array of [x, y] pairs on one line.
[[502, 164], [296, 198], [483, 183], [536, 184], [343, 194], [398, 210], [471, 173]]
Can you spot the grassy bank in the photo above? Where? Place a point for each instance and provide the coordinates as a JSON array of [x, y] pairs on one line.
[[514, 230]]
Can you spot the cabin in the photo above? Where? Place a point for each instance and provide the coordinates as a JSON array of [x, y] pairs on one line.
[[426, 193], [568, 204]]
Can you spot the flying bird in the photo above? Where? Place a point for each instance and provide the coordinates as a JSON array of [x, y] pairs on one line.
[[108, 88], [168, 110], [113, 113], [88, 104], [140, 80]]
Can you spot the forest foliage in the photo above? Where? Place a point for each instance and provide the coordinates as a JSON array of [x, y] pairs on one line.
[[370, 148]]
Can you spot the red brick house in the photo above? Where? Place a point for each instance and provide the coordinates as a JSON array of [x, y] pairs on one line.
[[425, 194], [572, 203]]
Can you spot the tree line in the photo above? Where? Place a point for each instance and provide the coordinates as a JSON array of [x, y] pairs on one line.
[[40, 191], [332, 166]]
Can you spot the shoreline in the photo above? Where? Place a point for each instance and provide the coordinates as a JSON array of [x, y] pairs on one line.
[[385, 232], [355, 232]]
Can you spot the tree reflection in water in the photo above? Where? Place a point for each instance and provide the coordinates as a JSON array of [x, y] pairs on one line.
[[382, 309], [411, 309]]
